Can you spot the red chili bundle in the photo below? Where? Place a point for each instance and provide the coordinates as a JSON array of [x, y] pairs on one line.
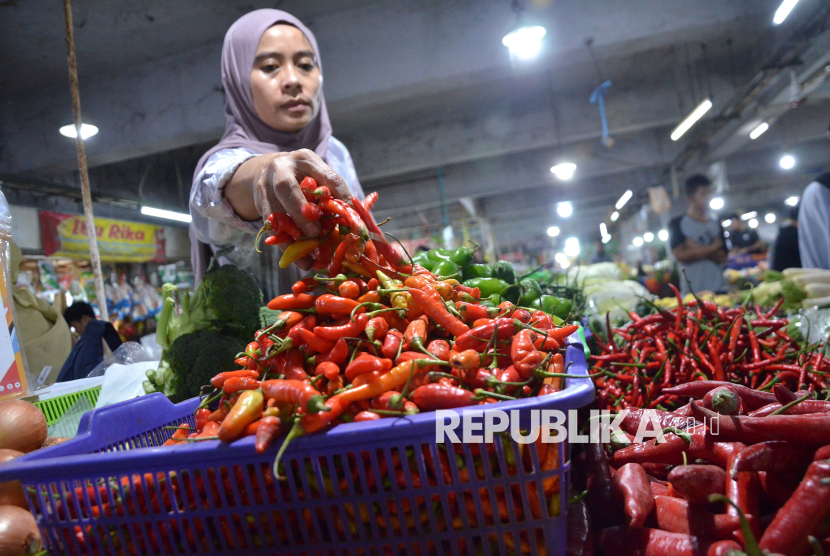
[[641, 361], [750, 482]]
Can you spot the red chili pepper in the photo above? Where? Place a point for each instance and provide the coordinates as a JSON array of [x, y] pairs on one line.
[[802, 515], [351, 329], [696, 482], [392, 344], [349, 289], [267, 431], [669, 451], [239, 383], [432, 397], [376, 328], [810, 430], [752, 399], [524, 354], [433, 305], [676, 516], [337, 258], [632, 487], [416, 333], [297, 392], [328, 304], [247, 409], [478, 337], [292, 301], [219, 380], [440, 349], [306, 337], [327, 369], [366, 416], [366, 363], [654, 542], [466, 360], [338, 354], [776, 457], [201, 418], [472, 311]]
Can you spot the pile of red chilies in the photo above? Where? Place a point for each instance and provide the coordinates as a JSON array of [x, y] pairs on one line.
[[700, 341], [349, 347], [757, 482]]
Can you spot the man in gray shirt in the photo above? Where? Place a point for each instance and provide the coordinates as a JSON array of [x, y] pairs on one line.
[[697, 241]]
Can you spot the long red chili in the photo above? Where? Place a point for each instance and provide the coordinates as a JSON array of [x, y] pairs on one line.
[[632, 487]]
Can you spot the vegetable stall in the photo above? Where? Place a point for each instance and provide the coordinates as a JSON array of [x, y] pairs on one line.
[[307, 424]]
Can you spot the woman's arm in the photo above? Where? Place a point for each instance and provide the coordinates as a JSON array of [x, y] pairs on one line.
[[270, 183]]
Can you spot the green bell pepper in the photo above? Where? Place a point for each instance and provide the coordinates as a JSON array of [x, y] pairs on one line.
[[445, 268], [439, 255], [476, 271], [487, 286], [504, 271], [462, 256], [555, 306], [531, 292], [423, 260]]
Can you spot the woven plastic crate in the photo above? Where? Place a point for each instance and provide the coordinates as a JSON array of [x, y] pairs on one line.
[[374, 488], [54, 408]]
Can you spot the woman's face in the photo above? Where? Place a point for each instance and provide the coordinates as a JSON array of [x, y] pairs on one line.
[[285, 79]]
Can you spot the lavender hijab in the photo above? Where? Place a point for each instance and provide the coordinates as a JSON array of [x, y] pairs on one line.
[[243, 128]]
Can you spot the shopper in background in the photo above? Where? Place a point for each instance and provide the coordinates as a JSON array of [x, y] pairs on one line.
[[785, 250], [743, 239], [814, 223], [600, 256], [277, 131], [43, 332], [97, 337], [697, 241]]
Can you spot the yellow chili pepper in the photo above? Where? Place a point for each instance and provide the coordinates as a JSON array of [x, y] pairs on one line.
[[297, 251], [398, 300]]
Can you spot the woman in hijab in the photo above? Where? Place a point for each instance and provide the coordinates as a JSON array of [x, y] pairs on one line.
[[277, 131]]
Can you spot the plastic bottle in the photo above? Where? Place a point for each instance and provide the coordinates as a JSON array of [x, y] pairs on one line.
[[13, 382]]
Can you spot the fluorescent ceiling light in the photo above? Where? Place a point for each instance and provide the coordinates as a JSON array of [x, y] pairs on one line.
[[783, 11], [787, 161], [571, 247], [603, 229], [748, 215], [553, 231], [614, 216], [87, 131], [753, 223], [791, 201], [167, 214], [716, 203], [564, 209], [691, 119], [769, 218], [726, 223], [606, 239], [663, 235], [648, 237], [623, 200], [524, 42], [758, 131], [564, 171], [637, 241]]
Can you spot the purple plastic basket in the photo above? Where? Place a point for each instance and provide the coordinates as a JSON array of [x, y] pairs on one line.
[[340, 497]]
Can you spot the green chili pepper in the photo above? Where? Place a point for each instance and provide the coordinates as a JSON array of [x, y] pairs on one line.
[[531, 291], [462, 256], [439, 255], [476, 271], [504, 271], [423, 260], [487, 286], [445, 268]]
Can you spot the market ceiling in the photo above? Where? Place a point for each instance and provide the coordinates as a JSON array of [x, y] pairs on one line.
[[417, 86]]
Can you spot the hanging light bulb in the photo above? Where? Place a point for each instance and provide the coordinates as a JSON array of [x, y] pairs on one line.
[[524, 41]]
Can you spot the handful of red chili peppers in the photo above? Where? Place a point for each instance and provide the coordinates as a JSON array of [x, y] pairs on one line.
[[698, 340], [371, 337]]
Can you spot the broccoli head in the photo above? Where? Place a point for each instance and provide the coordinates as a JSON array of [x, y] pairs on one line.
[[227, 300], [191, 361]]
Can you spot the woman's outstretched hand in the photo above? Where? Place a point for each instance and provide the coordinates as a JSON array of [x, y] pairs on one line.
[[271, 183]]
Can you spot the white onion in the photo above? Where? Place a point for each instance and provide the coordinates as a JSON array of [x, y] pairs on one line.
[[22, 426]]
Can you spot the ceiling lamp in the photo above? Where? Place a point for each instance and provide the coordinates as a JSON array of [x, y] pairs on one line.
[[748, 215], [166, 214], [87, 131], [606, 239], [571, 247], [614, 216], [753, 223], [603, 229], [623, 200], [524, 41], [726, 223], [787, 162], [564, 209], [564, 170], [758, 131], [716, 203], [691, 119], [791, 201], [663, 235], [648, 237], [769, 218], [783, 11], [553, 231], [637, 241]]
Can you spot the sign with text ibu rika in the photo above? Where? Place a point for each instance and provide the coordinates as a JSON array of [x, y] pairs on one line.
[[65, 235]]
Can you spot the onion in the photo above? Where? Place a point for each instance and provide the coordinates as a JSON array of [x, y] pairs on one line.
[[19, 535], [54, 441], [11, 492], [22, 426]]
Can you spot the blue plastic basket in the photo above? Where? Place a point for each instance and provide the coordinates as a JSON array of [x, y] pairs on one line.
[[112, 490]]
